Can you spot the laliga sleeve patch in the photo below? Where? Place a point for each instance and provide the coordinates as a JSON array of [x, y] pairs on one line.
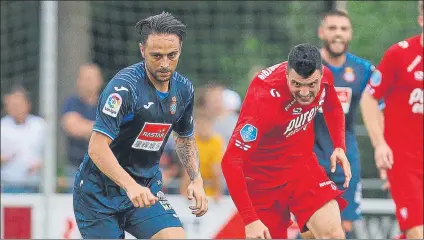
[[112, 105], [375, 79], [249, 133]]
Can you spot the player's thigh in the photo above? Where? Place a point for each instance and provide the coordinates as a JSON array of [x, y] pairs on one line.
[[311, 192], [415, 232], [406, 188], [274, 215], [170, 233], [94, 224], [326, 222], [145, 223], [160, 218]]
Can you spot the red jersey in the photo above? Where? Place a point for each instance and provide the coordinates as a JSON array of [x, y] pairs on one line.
[[399, 80], [274, 135]]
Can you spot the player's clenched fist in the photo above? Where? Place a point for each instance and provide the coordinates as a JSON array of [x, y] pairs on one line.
[[141, 196], [339, 156], [257, 230]]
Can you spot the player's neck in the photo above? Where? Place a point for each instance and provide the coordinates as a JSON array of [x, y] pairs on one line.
[[333, 61], [160, 86]]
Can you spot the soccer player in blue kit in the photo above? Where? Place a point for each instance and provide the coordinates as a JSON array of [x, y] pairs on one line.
[[351, 74], [118, 185]]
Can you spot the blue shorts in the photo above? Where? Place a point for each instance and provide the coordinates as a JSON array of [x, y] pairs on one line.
[[103, 210], [353, 196]]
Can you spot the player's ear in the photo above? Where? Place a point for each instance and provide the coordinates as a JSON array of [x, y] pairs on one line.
[[420, 21], [321, 31], [141, 46]]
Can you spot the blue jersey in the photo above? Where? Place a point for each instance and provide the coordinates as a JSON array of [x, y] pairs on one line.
[[139, 119], [350, 81]]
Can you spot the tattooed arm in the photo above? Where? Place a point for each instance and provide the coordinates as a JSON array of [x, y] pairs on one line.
[[188, 154]]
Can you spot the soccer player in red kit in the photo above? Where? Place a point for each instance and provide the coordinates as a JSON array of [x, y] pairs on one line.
[[399, 145], [269, 165]]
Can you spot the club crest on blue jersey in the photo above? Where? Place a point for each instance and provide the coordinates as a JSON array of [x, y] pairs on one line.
[[375, 79], [249, 133], [173, 106], [349, 74], [112, 105]]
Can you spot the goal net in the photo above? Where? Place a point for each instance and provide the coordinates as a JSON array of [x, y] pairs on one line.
[[20, 46], [225, 39]]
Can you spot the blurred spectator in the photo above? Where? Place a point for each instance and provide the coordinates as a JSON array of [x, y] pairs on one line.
[[171, 168], [212, 98], [226, 122], [210, 146], [78, 116], [22, 144], [254, 70]]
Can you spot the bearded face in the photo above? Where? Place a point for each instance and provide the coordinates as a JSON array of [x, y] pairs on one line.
[[336, 33]]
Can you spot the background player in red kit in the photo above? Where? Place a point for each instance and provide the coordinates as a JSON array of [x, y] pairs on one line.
[[399, 148], [270, 167]]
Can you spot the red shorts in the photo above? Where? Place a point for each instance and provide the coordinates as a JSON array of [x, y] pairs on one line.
[[302, 196], [406, 187]]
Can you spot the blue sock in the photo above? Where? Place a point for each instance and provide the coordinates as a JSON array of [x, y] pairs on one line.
[[350, 235]]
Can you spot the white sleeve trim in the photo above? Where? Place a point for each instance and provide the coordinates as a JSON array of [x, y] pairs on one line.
[[105, 133]]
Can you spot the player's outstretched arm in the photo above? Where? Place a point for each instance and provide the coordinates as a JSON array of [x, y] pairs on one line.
[[372, 118], [255, 119], [101, 154], [371, 115], [379, 85], [188, 154]]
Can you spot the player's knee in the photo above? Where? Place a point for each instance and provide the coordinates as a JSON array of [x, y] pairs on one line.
[[415, 232], [170, 233]]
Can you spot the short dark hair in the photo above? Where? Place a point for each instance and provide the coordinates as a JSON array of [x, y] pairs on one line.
[[16, 88], [305, 59], [335, 12], [163, 23]]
